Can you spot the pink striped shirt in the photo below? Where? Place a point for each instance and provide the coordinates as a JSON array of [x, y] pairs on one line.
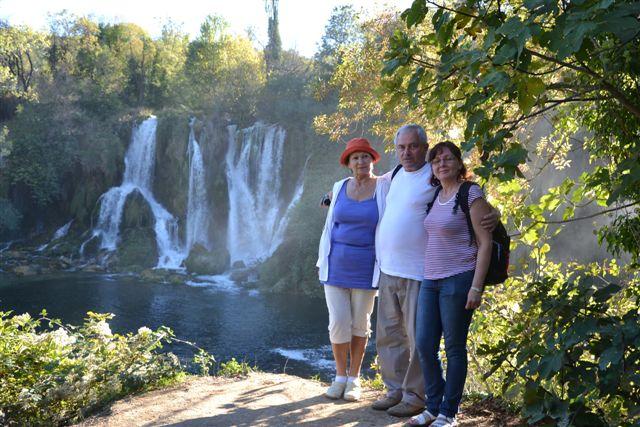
[[447, 250]]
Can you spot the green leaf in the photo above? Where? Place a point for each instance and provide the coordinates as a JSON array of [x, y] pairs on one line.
[[604, 294], [499, 80], [415, 14], [612, 355], [506, 51]]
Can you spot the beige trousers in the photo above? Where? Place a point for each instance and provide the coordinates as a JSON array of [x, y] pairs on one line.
[[349, 312], [396, 339]]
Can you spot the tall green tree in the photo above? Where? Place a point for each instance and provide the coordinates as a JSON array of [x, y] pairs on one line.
[[21, 59], [273, 51]]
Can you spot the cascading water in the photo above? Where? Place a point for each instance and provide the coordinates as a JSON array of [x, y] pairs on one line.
[[59, 234], [138, 176], [197, 208], [258, 211]]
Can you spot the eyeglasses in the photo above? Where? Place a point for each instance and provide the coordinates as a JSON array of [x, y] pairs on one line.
[[443, 160]]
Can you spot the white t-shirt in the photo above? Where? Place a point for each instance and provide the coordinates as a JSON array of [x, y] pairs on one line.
[[401, 236]]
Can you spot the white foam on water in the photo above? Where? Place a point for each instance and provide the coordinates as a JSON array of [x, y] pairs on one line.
[[313, 356], [219, 282]]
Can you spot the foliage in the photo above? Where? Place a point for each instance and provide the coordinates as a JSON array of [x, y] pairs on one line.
[[499, 66], [493, 75], [52, 373], [9, 216], [47, 149], [21, 59], [224, 71], [375, 383], [571, 347], [234, 369], [273, 50], [341, 30]]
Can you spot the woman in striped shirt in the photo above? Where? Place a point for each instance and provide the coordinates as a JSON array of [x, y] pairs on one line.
[[455, 269]]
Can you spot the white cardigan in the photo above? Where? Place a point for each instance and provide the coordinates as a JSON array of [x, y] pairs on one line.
[[382, 188]]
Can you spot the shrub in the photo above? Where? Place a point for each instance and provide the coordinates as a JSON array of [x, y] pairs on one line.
[[51, 374], [569, 349], [233, 368]]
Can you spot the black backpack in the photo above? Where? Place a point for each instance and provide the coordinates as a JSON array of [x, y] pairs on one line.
[[499, 265]]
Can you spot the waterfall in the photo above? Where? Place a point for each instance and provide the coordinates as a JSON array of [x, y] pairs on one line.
[[197, 208], [138, 176], [60, 233], [258, 209]]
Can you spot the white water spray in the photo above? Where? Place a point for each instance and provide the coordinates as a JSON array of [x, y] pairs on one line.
[[258, 211], [197, 208], [59, 234]]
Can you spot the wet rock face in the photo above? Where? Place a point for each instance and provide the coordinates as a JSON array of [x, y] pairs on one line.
[[202, 261], [136, 212], [137, 248], [92, 247]]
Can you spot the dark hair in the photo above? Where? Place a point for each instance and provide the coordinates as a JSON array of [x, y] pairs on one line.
[[437, 149]]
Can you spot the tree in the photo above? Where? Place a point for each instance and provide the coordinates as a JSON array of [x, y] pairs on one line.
[[273, 50], [342, 30], [168, 73], [364, 104], [21, 52], [502, 65], [224, 71]]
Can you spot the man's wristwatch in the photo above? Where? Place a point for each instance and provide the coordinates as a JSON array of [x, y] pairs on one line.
[[478, 290]]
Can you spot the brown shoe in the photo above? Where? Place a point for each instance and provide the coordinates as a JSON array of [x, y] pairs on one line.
[[405, 409], [385, 403]]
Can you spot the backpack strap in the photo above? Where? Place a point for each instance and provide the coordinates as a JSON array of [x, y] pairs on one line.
[[462, 200], [395, 171], [430, 204]]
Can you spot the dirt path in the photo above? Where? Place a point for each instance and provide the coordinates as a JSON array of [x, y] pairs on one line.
[[261, 399]]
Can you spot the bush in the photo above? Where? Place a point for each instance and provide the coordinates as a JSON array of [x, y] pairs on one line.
[[52, 374], [569, 348], [233, 369]]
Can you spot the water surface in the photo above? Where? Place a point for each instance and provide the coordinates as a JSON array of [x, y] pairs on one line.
[[275, 332]]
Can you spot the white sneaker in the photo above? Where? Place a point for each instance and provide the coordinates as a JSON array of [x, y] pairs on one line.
[[335, 390], [443, 421], [353, 391], [422, 419]]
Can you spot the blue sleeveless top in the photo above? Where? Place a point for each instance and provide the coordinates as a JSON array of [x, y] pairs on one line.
[[352, 255]]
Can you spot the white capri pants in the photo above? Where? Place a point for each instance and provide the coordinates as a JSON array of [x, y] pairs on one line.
[[349, 312]]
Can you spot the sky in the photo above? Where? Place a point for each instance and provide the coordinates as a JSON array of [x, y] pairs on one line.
[[302, 22]]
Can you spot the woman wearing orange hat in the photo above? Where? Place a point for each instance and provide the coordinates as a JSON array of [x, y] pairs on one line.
[[347, 263]]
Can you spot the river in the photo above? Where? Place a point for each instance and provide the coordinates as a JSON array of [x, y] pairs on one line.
[[276, 332]]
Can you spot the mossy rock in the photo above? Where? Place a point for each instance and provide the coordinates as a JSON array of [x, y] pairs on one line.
[[202, 261], [136, 212], [160, 275], [137, 248], [27, 270], [92, 247]]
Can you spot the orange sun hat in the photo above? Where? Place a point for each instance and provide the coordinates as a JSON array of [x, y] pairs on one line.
[[358, 144]]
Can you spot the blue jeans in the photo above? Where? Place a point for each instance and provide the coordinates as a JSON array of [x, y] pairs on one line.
[[441, 312]]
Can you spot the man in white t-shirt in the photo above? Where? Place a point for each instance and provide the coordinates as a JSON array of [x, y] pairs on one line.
[[400, 251], [400, 240]]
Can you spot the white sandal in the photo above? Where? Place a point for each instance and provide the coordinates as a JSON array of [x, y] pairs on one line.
[[422, 419]]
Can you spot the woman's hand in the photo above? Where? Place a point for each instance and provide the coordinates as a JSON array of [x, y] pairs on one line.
[[474, 299], [490, 221]]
